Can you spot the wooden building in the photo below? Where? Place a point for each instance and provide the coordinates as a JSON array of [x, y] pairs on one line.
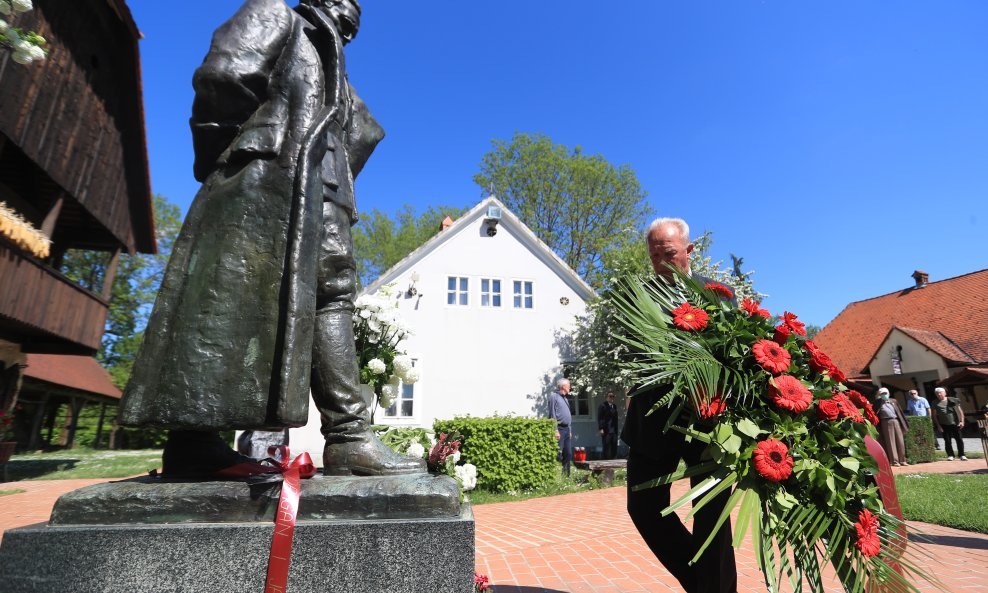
[[73, 176]]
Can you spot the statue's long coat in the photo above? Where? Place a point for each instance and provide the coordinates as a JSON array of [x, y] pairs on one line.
[[228, 344]]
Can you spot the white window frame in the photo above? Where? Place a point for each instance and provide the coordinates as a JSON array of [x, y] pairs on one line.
[[458, 291], [521, 295], [490, 294], [415, 397]]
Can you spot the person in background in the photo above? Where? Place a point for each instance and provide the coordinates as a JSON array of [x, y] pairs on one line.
[[607, 425], [948, 418], [917, 406], [891, 427], [559, 411]]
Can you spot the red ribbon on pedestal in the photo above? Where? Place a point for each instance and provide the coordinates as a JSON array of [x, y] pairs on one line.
[[890, 498], [284, 520]]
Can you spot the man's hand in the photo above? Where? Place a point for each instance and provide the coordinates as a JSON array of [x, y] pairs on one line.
[[557, 435], [601, 432]]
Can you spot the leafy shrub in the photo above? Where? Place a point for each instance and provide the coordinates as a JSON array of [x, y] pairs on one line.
[[919, 440], [400, 437], [510, 453]]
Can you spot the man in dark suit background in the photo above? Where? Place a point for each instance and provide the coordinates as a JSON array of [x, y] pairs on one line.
[[607, 424], [655, 454]]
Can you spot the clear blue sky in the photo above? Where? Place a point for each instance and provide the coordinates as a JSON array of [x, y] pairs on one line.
[[836, 146]]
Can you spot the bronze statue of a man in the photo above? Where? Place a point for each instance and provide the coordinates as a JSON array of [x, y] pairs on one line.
[[257, 301]]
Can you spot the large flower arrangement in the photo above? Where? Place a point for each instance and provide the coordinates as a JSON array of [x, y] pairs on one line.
[[784, 434], [442, 456], [27, 46], [379, 333]]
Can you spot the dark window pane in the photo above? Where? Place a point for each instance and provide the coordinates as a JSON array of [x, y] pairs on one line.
[[463, 298], [406, 407], [485, 300], [452, 283], [497, 286], [392, 410], [517, 302], [517, 287], [451, 298], [485, 285], [528, 288], [497, 300], [528, 302], [463, 284]]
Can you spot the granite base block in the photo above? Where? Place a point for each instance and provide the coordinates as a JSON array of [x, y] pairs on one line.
[[359, 556]]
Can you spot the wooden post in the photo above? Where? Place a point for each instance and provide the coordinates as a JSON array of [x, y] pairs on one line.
[[34, 442], [50, 422], [73, 420], [111, 273], [48, 226], [99, 425]]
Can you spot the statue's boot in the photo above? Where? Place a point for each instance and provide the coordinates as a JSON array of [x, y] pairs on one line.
[[198, 455], [351, 445]]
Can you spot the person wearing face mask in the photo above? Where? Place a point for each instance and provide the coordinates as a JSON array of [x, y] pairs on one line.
[[256, 305], [891, 427]]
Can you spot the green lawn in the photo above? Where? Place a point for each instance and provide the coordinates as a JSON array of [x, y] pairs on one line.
[[952, 500], [578, 481], [82, 463]]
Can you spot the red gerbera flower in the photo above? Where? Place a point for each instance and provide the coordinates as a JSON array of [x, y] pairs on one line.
[[689, 318], [751, 307], [772, 357], [797, 327], [772, 461], [481, 582], [782, 333], [827, 409], [856, 397], [789, 393], [721, 290], [820, 362], [867, 528], [711, 410], [870, 414], [847, 408]]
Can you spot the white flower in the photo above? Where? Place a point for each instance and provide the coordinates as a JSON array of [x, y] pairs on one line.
[[22, 57], [412, 376], [22, 45], [22, 5], [364, 314], [4, 7], [467, 475], [403, 364], [376, 366], [455, 457], [4, 25], [37, 53], [416, 450], [373, 337], [387, 396]]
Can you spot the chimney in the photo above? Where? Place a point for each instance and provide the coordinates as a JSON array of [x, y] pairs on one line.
[[445, 224], [921, 278]]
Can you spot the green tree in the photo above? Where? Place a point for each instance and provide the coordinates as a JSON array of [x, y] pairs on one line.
[[380, 241], [577, 204], [134, 289]]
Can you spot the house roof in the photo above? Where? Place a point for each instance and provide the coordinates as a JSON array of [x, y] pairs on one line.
[[949, 317], [509, 220], [79, 373], [970, 376]]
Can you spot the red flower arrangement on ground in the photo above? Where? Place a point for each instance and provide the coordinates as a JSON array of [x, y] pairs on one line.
[[481, 582], [772, 357], [689, 318], [772, 461]]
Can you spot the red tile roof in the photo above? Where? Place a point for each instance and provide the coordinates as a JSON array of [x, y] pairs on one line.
[[949, 316], [82, 373]]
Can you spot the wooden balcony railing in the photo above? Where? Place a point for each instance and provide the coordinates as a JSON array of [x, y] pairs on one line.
[[51, 310]]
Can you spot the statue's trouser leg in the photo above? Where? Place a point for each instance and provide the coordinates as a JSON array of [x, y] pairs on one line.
[[351, 446]]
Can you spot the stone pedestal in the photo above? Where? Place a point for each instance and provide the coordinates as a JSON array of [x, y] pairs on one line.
[[385, 551]]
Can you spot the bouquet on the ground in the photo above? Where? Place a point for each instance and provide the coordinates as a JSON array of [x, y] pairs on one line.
[[784, 435], [380, 332], [442, 456]]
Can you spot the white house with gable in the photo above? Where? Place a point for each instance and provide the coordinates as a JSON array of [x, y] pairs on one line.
[[487, 303]]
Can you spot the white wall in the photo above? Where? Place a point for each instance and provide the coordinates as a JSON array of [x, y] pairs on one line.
[[475, 360]]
